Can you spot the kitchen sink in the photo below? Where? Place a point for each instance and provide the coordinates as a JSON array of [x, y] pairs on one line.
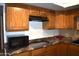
[[37, 45]]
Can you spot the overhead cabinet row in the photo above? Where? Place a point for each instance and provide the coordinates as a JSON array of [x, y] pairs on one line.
[[17, 18], [64, 20]]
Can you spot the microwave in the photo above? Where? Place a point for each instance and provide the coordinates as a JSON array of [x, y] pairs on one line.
[[17, 42]]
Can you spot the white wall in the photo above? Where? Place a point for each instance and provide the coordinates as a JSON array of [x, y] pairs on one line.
[[35, 31]]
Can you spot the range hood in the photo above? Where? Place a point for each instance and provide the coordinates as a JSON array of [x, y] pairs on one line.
[[38, 18]]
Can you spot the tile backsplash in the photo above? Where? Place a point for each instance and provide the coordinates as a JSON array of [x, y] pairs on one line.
[[76, 34], [70, 33], [35, 32], [67, 33]]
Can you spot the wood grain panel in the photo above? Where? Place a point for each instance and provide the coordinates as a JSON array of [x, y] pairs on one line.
[[51, 51], [74, 50], [39, 52], [17, 19], [50, 24], [59, 22]]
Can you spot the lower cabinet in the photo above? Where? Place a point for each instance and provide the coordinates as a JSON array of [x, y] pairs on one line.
[[51, 50], [60, 49], [39, 52], [74, 50]]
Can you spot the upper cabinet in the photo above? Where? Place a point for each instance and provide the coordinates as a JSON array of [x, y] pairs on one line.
[[64, 20], [37, 11], [17, 19], [59, 22], [34, 11], [43, 12], [74, 13], [71, 21], [50, 24], [77, 22]]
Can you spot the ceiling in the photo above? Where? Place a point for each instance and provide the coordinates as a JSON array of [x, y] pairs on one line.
[[58, 5], [47, 5], [66, 3], [52, 6]]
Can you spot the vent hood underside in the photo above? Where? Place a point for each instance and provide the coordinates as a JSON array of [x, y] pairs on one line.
[[38, 18]]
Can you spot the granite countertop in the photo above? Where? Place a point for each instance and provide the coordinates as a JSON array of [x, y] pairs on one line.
[[40, 43]]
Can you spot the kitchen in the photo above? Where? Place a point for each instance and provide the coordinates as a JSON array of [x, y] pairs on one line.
[[32, 30]]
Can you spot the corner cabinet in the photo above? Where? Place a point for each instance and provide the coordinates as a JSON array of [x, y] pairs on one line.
[[64, 20], [61, 49], [74, 50], [77, 23], [17, 19], [51, 51]]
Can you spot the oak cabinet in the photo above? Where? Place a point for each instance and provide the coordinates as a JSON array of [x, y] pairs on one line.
[[50, 24], [51, 51], [71, 21], [77, 25], [61, 49], [77, 22], [34, 11], [23, 54], [74, 50], [37, 11], [17, 19], [73, 14], [59, 22], [64, 20], [43, 12], [39, 52]]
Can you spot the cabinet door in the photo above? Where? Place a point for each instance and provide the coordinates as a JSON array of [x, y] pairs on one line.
[[51, 51], [34, 11], [61, 49], [17, 19], [50, 24], [70, 21], [64, 20], [77, 22], [43, 12], [74, 50], [59, 22], [77, 25], [67, 20], [24, 54], [39, 52]]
